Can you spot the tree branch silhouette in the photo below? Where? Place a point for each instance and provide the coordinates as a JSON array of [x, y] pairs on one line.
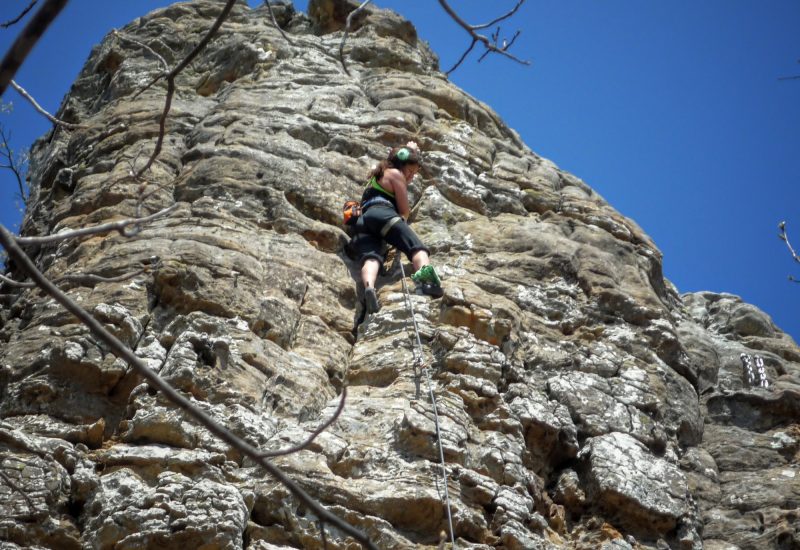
[[794, 77], [24, 93], [784, 236], [322, 427], [171, 82], [91, 278], [275, 21], [10, 162], [10, 482], [118, 226], [30, 35], [18, 18], [347, 28], [124, 38], [18, 284], [491, 45]]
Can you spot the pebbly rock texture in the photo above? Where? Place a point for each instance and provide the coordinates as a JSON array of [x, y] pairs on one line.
[[582, 402]]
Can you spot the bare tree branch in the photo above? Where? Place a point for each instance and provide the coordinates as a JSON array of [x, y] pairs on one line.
[[785, 238], [24, 93], [80, 278], [494, 22], [27, 39], [96, 230], [93, 279], [322, 535], [171, 81], [18, 284], [350, 17], [490, 45], [18, 18], [795, 77], [17, 488], [121, 351], [150, 84], [319, 430], [116, 34], [463, 56], [11, 163], [275, 21]]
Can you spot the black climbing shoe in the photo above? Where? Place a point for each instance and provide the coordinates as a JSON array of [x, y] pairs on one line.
[[373, 305], [432, 290]]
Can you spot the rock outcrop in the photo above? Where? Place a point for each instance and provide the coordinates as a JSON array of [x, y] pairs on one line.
[[582, 402]]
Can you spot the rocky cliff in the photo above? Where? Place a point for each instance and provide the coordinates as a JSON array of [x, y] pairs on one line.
[[582, 402]]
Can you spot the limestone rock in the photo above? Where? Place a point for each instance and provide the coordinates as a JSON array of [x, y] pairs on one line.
[[581, 401], [637, 487]]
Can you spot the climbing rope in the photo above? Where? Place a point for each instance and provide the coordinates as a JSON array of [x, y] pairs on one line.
[[419, 361]]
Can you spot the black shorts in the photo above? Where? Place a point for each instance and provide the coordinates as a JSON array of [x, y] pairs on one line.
[[368, 243]]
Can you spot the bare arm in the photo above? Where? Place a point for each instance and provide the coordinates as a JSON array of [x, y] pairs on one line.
[[394, 181]]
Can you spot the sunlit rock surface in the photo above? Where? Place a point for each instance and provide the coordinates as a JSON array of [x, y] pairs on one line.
[[583, 403]]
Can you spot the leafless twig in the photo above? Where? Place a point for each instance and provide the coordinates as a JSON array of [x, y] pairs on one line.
[[12, 163], [150, 84], [116, 34], [275, 21], [97, 229], [171, 82], [81, 278], [17, 488], [319, 430], [93, 279], [491, 45], [12, 282], [322, 535], [27, 39], [18, 18], [795, 77], [495, 21], [350, 18], [24, 93], [120, 350], [784, 236]]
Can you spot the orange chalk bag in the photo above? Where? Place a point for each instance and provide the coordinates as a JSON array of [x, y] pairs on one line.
[[351, 212]]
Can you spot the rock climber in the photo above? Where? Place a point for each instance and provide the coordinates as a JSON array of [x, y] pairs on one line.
[[384, 215]]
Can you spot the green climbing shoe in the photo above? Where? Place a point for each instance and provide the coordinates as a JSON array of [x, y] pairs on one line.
[[426, 274]]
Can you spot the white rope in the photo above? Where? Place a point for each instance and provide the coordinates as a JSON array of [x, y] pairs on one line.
[[419, 360]]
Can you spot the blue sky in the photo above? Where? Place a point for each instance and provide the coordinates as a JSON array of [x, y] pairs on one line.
[[673, 111]]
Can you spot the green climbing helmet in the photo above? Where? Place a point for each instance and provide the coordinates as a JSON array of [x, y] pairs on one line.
[[401, 156]]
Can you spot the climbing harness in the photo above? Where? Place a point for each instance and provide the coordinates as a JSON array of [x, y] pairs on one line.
[[419, 361], [353, 210], [388, 225]]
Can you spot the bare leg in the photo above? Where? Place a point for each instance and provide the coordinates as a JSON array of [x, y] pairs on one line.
[[369, 272], [419, 259]]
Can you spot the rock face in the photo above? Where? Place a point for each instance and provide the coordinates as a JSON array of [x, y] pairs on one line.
[[582, 402]]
